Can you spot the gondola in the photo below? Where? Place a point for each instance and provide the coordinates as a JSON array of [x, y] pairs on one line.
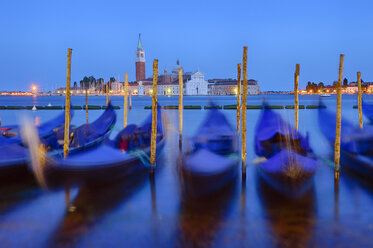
[[84, 136], [126, 155], [356, 143], [368, 110], [212, 161], [289, 163], [11, 134], [14, 157]]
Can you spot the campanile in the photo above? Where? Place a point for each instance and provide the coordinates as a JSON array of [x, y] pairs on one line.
[[140, 61]]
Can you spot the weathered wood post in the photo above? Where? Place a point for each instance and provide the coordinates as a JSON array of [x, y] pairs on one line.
[[359, 100], [337, 143], [86, 104], [244, 103], [125, 107], [296, 103], [66, 140], [153, 144], [238, 98], [181, 94]]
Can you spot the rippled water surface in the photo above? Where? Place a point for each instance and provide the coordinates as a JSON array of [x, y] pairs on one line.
[[151, 213]]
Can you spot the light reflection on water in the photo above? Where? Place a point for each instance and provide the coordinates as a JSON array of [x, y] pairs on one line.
[[146, 214]]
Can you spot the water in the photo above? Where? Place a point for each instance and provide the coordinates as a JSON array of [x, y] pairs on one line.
[[155, 215]]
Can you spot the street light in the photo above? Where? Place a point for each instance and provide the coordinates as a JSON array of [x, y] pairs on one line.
[[34, 89]]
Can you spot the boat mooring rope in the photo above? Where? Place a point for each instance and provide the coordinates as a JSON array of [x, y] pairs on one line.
[[144, 158]]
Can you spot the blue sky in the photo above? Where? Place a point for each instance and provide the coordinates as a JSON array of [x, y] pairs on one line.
[[208, 35]]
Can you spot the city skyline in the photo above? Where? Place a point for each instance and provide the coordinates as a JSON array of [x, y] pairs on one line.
[[204, 35]]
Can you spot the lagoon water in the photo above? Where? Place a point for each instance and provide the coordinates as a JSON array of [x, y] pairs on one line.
[[248, 214]]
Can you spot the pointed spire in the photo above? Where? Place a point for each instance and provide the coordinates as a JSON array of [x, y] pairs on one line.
[[177, 61], [139, 44]]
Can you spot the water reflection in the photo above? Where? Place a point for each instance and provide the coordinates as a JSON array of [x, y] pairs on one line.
[[292, 220], [15, 191], [355, 179], [92, 203], [200, 220], [154, 218]]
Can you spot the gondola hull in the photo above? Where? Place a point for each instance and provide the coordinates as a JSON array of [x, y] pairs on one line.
[[71, 172], [289, 173], [199, 181], [13, 165]]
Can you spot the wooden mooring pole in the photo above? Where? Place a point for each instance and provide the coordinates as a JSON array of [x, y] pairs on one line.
[[153, 143], [359, 100], [296, 102], [181, 94], [67, 106], [86, 104], [337, 143], [238, 98], [244, 103], [66, 141], [125, 107]]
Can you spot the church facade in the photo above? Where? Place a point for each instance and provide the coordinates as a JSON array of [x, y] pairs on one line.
[[197, 85]]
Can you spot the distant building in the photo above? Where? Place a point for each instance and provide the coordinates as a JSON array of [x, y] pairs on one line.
[[168, 89], [350, 90], [229, 87], [140, 91], [370, 88], [197, 85], [116, 87], [140, 61]]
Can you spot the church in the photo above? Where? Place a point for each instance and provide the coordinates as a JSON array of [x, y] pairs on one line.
[[194, 83], [197, 85]]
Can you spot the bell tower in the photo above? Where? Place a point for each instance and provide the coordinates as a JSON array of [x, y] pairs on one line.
[[140, 61]]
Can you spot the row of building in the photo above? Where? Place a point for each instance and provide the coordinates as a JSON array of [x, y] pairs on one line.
[[194, 83], [351, 88]]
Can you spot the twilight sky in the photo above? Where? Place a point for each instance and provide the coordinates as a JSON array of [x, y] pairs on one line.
[[208, 35]]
